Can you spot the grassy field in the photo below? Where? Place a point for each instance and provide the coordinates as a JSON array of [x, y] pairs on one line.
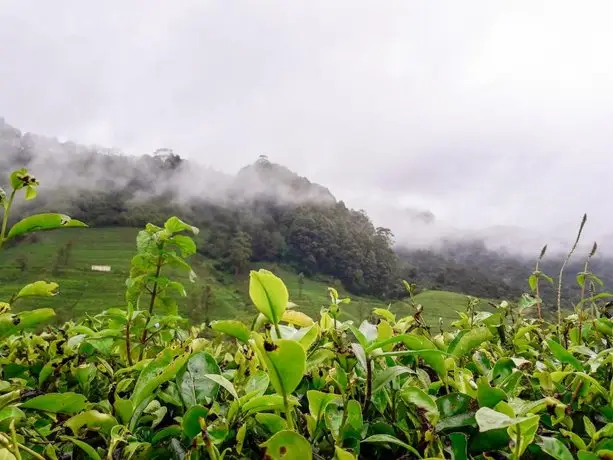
[[85, 291]]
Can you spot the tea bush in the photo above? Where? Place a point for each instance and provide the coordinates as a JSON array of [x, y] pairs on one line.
[[142, 383]]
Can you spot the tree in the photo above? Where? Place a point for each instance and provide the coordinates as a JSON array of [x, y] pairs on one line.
[[240, 252]]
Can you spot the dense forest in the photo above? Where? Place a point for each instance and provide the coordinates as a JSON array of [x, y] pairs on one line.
[[263, 213]]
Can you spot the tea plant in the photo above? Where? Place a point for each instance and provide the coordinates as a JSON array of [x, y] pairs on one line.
[[141, 383]]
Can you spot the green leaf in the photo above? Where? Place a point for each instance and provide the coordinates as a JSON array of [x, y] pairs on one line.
[[269, 294], [185, 244], [555, 448], [21, 178], [422, 400], [574, 438], [163, 368], [264, 403], [318, 401], [258, 382], [30, 193], [297, 318], [489, 419], [287, 445], [469, 341], [273, 422], [286, 362], [191, 421], [6, 454], [590, 429], [60, 403], [124, 409], [240, 437], [488, 396], [176, 225], [388, 315], [342, 454], [93, 420], [524, 430], [387, 375], [532, 282], [194, 385], [42, 222], [11, 412], [563, 355], [224, 382], [11, 324], [234, 328], [165, 433], [459, 446], [38, 289], [89, 450], [387, 439]]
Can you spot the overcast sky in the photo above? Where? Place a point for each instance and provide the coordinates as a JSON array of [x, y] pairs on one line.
[[484, 112]]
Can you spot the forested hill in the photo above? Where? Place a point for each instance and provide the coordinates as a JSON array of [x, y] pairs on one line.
[[265, 212]]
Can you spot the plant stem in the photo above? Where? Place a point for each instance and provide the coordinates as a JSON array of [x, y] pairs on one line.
[[368, 384], [154, 293], [518, 444], [562, 272], [5, 217], [128, 342], [278, 331], [14, 441], [288, 412], [207, 441]]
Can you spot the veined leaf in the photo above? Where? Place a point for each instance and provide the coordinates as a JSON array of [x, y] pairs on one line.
[[297, 318], [555, 448], [273, 422], [233, 328], [342, 454], [264, 403], [42, 222], [38, 289], [387, 375], [469, 341], [194, 385], [285, 360], [287, 445], [422, 400], [12, 323], [525, 431], [61, 403], [224, 382], [489, 419], [163, 368], [318, 401], [387, 439], [176, 225], [89, 450], [191, 420], [269, 294], [563, 355], [92, 420]]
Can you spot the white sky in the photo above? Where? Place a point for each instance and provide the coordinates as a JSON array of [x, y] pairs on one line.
[[484, 112]]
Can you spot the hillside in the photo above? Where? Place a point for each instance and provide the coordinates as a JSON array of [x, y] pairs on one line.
[[83, 291], [268, 214]]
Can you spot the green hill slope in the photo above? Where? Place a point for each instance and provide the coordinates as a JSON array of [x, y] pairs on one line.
[[85, 291]]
